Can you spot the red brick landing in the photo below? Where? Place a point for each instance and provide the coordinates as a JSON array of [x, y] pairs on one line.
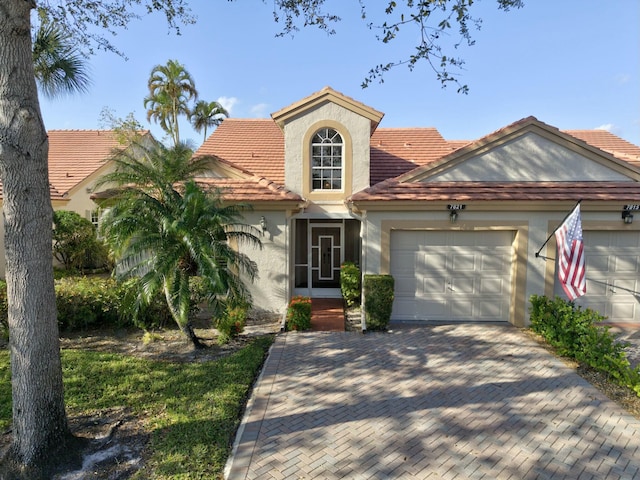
[[327, 315]]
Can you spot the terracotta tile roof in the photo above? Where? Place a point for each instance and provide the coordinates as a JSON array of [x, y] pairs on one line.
[[76, 154], [256, 147], [610, 143], [394, 190], [250, 190], [456, 144], [395, 151], [252, 145]]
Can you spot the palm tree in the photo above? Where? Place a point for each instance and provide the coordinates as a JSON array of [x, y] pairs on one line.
[[171, 88], [59, 66], [165, 228], [207, 114]]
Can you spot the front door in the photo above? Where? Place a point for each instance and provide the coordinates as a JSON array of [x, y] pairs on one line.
[[326, 257]]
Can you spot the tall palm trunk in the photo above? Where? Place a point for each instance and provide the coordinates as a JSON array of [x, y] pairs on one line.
[[39, 420]]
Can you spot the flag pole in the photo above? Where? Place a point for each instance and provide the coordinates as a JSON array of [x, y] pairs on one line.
[[556, 229]]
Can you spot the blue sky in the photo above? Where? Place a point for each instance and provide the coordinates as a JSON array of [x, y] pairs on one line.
[[574, 64]]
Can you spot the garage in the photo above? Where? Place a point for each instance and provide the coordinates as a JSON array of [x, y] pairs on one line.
[[613, 275], [452, 275]]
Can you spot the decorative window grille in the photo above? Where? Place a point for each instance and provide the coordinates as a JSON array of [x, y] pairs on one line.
[[326, 160]]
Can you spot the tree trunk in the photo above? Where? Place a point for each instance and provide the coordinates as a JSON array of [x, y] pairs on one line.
[[39, 420], [187, 329]]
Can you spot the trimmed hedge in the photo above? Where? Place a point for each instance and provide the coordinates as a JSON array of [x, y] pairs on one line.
[[574, 332], [94, 302], [350, 283], [378, 300], [85, 302], [299, 314]]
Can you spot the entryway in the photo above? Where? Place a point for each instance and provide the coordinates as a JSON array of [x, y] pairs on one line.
[[321, 246]]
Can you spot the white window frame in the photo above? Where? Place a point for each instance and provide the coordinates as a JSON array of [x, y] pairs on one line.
[[327, 150]]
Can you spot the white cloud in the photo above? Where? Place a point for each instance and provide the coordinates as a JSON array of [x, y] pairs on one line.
[[228, 103], [259, 110], [609, 127]]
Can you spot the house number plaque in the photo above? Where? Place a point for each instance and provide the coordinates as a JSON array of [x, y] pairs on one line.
[[631, 207], [456, 206]]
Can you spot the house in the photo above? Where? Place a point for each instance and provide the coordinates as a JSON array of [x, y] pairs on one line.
[[77, 158], [457, 223]]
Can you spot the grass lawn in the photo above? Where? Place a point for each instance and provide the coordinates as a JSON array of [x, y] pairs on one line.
[[191, 409]]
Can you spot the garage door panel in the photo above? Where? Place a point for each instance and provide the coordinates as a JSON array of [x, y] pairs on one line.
[[459, 275], [405, 305], [405, 261], [405, 286], [490, 286], [462, 309], [612, 275], [595, 287], [598, 263], [424, 261], [624, 241], [463, 285], [494, 262], [625, 264], [623, 310], [490, 310], [625, 286], [463, 263], [433, 285]]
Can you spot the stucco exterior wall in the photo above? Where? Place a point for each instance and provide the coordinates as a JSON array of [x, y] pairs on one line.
[[270, 290], [358, 128]]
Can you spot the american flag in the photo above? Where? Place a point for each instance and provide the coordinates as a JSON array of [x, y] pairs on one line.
[[571, 270]]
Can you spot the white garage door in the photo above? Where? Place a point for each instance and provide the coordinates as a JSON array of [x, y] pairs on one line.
[[613, 275], [452, 275]]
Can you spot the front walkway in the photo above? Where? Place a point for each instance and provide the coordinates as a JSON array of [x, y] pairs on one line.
[[449, 402]]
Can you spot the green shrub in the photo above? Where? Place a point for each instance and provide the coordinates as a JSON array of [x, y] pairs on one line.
[[574, 332], [350, 283], [231, 324], [378, 300], [84, 302], [75, 243], [299, 313]]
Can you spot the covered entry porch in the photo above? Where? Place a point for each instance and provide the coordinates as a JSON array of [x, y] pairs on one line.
[[320, 247]]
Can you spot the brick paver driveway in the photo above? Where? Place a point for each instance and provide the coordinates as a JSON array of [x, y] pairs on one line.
[[450, 401]]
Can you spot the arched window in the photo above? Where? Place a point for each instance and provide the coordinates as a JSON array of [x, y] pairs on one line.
[[326, 160]]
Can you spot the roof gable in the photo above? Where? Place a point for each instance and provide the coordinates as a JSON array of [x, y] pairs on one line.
[[326, 95], [75, 155], [526, 151]]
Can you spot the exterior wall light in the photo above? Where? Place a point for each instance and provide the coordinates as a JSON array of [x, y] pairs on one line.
[[453, 216], [263, 223], [627, 217]]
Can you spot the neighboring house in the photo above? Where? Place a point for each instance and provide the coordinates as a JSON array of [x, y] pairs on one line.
[[77, 158], [456, 223]]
